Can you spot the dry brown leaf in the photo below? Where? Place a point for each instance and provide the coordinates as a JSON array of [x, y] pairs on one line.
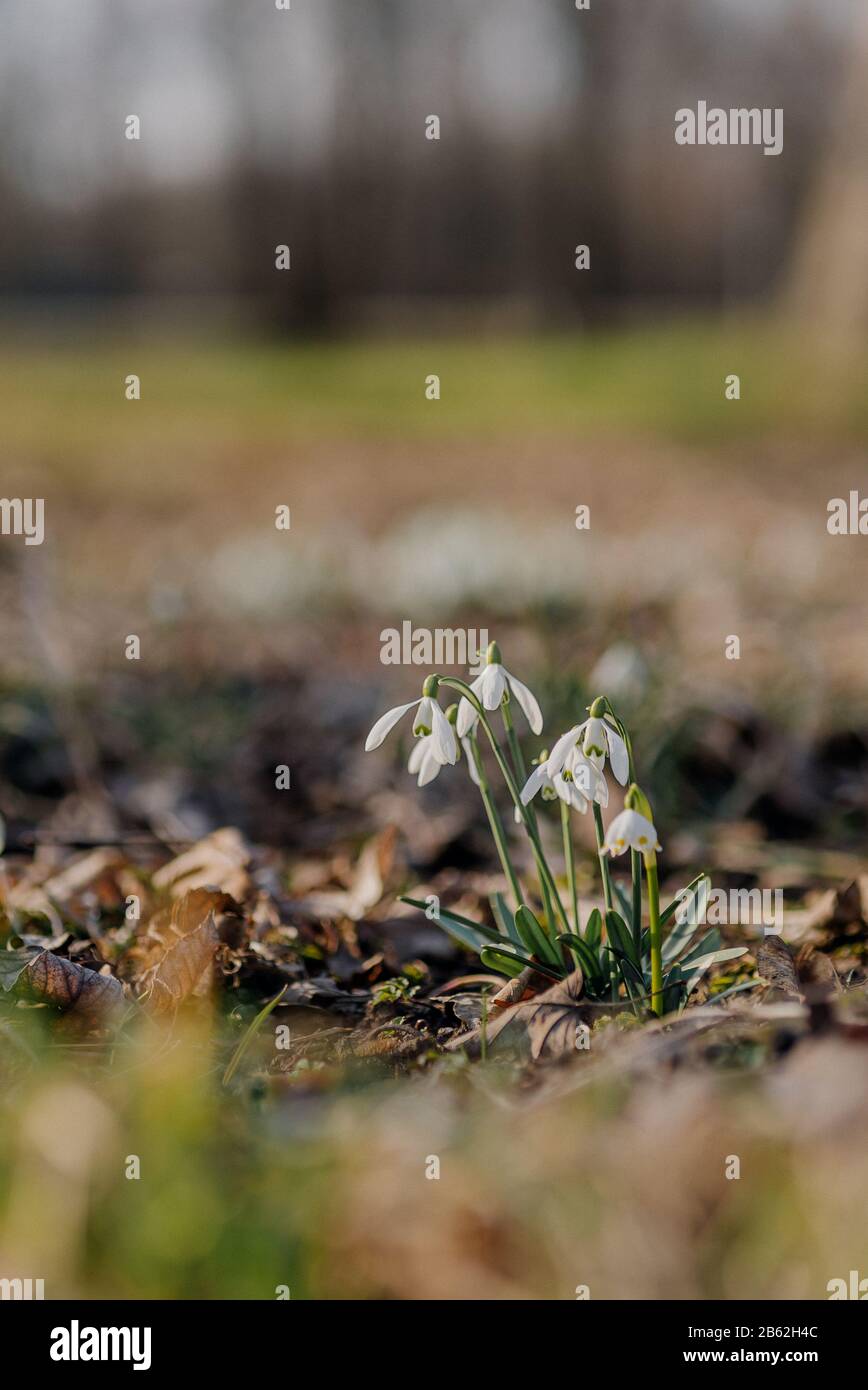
[[188, 913], [775, 965], [550, 1018], [219, 861], [553, 1017], [817, 975], [186, 969], [81, 873], [523, 986], [834, 911], [372, 871], [51, 979], [367, 885], [171, 924]]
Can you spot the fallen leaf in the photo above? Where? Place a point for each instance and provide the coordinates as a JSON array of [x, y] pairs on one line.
[[468, 1008], [51, 979], [367, 885], [81, 873], [186, 915], [775, 965], [523, 986], [186, 969], [817, 975], [218, 861], [552, 1018], [12, 964]]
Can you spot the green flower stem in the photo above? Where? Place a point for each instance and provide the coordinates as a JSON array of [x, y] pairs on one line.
[[636, 870], [514, 745], [453, 683], [603, 858], [495, 822], [520, 770], [635, 856], [608, 897], [656, 933], [570, 860]]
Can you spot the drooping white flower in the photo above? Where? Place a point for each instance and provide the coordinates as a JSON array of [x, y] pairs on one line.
[[596, 738], [538, 781], [578, 783], [584, 777], [490, 688], [429, 721], [424, 760], [630, 830]]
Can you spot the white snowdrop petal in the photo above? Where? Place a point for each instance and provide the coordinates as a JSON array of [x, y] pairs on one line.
[[425, 717], [563, 789], [414, 762], [630, 830], [616, 835], [385, 723], [430, 768], [528, 702], [536, 780], [493, 684], [444, 736], [618, 757], [558, 755], [467, 718], [471, 765], [594, 742]]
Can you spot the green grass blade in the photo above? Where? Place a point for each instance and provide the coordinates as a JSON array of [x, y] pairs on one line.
[[474, 935], [249, 1034]]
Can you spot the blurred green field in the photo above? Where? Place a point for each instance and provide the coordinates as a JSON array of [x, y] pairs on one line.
[[66, 400]]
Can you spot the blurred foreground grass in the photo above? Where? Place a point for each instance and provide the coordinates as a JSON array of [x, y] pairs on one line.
[[319, 1183]]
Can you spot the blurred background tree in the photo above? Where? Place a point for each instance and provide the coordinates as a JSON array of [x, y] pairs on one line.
[[261, 127]]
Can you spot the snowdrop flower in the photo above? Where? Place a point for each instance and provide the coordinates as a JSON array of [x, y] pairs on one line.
[[597, 738], [428, 722], [424, 760], [578, 783], [538, 781], [630, 830], [491, 688]]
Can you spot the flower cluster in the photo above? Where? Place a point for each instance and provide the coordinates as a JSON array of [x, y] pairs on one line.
[[613, 953]]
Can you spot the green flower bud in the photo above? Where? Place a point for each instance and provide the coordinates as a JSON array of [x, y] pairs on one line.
[[636, 800], [492, 656]]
